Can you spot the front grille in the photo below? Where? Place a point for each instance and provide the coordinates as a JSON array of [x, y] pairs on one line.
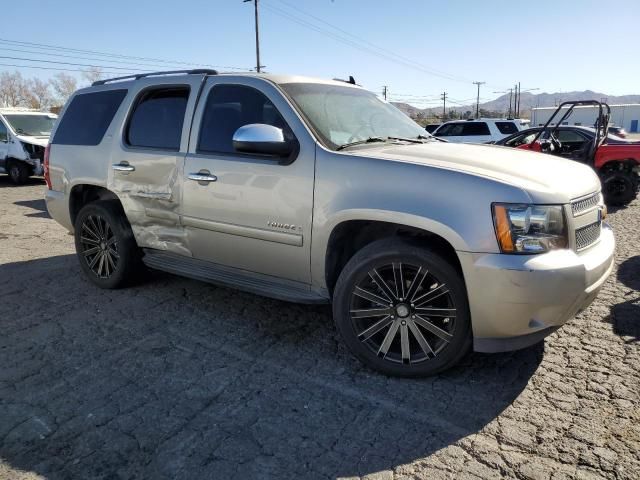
[[588, 235], [580, 206]]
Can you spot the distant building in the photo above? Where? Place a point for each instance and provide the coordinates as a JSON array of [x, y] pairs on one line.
[[626, 116]]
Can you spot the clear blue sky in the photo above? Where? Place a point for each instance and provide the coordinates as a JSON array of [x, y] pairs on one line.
[[557, 45]]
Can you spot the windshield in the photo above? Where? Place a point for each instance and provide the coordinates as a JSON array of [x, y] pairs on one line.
[[32, 125], [344, 115]]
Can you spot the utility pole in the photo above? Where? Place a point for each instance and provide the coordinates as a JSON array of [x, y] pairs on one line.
[[255, 4], [478, 100], [385, 90], [444, 105], [519, 95], [510, 98]]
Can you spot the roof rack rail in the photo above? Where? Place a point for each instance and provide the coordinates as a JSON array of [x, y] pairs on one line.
[[196, 71]]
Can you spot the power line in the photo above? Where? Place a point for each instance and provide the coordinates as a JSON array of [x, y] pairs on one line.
[[374, 50], [377, 47], [54, 68], [112, 55], [76, 57], [112, 67]]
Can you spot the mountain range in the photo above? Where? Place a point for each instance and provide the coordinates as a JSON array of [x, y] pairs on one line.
[[527, 101]]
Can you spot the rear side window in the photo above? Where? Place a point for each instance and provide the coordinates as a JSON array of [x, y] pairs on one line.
[[476, 128], [87, 117], [507, 128], [462, 129], [157, 119]]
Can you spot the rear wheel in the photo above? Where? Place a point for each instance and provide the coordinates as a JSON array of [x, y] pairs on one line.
[[402, 310], [619, 187], [105, 245], [18, 172]]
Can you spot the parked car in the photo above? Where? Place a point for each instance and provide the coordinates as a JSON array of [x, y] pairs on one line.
[[573, 137], [317, 191], [618, 132], [616, 160], [431, 127], [482, 130], [24, 134]]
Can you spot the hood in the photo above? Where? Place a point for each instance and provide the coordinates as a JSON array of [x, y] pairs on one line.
[[41, 141], [546, 178]]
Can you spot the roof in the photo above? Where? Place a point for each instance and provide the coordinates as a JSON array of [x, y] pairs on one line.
[[485, 119]]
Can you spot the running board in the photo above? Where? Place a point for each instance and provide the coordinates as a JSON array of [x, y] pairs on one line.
[[258, 283]]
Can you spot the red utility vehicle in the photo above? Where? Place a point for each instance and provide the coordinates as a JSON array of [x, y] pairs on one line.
[[617, 165]]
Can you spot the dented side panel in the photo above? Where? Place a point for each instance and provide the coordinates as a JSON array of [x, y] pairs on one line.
[[151, 194]]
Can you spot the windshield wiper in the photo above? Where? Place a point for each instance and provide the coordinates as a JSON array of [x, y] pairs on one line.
[[405, 139], [361, 142]]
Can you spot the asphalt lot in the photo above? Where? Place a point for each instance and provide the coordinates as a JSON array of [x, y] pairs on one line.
[[179, 379]]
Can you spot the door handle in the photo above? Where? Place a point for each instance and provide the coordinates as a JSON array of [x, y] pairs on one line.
[[202, 176], [123, 167]]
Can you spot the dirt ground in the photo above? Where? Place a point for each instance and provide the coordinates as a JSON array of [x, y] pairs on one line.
[[179, 379]]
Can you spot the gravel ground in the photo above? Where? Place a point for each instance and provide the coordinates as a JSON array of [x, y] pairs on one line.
[[179, 379]]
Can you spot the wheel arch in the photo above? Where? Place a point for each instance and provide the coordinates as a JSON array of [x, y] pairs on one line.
[[82, 194], [350, 235], [626, 164]]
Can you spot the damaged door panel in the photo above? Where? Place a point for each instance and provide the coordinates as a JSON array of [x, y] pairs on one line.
[[146, 171]]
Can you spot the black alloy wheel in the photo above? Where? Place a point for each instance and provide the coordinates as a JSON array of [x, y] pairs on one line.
[[105, 245], [402, 309], [403, 313], [99, 246]]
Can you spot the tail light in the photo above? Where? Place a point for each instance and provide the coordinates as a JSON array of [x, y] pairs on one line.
[[47, 178]]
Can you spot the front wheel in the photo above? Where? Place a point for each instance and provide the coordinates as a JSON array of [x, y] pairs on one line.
[[402, 309], [619, 187], [105, 245]]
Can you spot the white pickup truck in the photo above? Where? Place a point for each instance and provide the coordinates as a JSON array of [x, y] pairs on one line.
[[24, 134]]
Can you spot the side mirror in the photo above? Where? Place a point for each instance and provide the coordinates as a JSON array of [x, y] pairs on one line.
[[261, 139]]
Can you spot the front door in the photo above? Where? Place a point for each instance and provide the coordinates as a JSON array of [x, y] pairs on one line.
[[255, 211]]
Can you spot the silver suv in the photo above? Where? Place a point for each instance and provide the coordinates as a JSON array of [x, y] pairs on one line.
[[317, 191]]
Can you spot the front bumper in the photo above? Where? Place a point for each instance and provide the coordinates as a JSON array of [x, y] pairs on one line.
[[517, 300]]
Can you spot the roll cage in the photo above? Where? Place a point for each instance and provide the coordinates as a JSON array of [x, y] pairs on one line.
[[601, 125]]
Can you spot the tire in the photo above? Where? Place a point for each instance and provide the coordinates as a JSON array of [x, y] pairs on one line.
[[18, 172], [366, 320], [105, 245], [619, 187]]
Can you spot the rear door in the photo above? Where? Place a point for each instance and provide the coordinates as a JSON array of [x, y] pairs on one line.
[[146, 165], [465, 132], [257, 214]]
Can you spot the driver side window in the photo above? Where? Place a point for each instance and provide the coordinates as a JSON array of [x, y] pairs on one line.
[[3, 133], [230, 107]]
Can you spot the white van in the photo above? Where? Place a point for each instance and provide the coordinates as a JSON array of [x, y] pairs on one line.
[[24, 134], [480, 130]]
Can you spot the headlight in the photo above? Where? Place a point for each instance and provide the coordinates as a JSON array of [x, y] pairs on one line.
[[529, 228]]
